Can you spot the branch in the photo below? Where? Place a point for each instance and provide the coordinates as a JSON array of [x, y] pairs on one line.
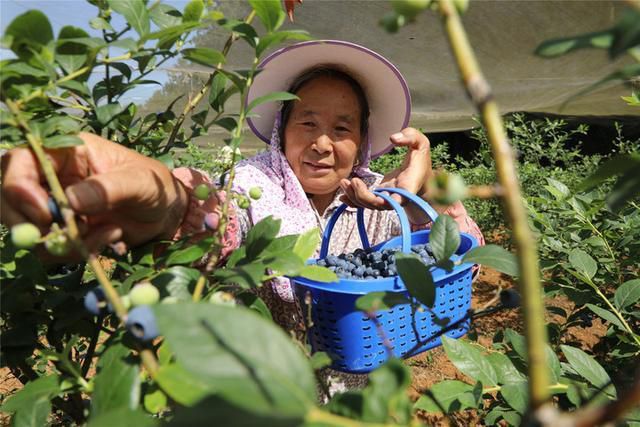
[[196, 99], [533, 306]]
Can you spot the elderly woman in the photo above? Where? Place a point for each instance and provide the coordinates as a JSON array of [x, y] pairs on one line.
[[353, 105]]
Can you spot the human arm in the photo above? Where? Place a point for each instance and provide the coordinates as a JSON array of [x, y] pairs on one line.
[[118, 193], [412, 175]]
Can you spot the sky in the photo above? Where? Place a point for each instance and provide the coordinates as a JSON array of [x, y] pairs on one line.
[[78, 13]]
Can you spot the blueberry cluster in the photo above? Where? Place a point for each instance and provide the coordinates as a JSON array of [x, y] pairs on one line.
[[368, 264]]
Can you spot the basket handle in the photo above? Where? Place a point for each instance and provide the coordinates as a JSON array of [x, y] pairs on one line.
[[404, 222]]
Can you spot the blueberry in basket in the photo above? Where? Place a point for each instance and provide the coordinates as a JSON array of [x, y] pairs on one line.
[[368, 264]]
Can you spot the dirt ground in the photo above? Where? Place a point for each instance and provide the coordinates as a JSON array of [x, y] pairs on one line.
[[433, 366]]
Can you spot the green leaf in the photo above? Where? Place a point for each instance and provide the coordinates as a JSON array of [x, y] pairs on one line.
[[217, 90], [36, 416], [385, 397], [450, 395], [117, 384], [553, 364], [249, 360], [606, 315], [186, 256], [626, 188], [269, 40], [374, 301], [31, 30], [204, 56], [251, 300], [516, 396], [43, 388], [177, 281], [317, 273], [181, 385], [77, 87], [588, 368], [155, 401], [271, 97], [307, 243], [71, 56], [122, 417], [243, 30], [261, 235], [135, 12], [562, 190], [320, 360], [470, 361], [106, 113], [583, 263], [444, 237], [165, 16], [557, 47], [495, 257], [270, 13], [246, 276], [623, 74], [416, 277], [100, 24], [193, 11], [617, 165], [60, 141], [504, 368], [627, 294], [218, 411]]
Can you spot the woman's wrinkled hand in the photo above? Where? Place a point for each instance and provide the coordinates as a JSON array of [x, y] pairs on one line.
[[412, 176], [117, 193]]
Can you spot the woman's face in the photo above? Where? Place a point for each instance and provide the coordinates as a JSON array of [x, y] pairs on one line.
[[322, 135]]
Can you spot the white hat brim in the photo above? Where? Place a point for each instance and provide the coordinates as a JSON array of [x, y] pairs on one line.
[[386, 90]]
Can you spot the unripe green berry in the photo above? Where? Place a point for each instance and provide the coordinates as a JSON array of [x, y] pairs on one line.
[[25, 235], [243, 202], [255, 193], [409, 8], [201, 192], [57, 244], [126, 301], [392, 22], [461, 5], [169, 300], [144, 294], [222, 298], [449, 188]]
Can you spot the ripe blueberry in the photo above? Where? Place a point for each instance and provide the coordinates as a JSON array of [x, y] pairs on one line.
[[144, 294], [95, 302], [25, 235], [510, 298], [142, 323]]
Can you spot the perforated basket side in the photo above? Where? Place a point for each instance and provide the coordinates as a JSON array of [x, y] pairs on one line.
[[352, 339]]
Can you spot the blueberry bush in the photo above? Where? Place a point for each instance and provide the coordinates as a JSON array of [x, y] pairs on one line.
[[165, 334]]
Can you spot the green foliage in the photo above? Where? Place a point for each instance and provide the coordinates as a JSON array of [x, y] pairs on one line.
[[230, 365]]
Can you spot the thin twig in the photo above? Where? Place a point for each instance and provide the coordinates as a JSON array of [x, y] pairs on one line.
[[533, 305]]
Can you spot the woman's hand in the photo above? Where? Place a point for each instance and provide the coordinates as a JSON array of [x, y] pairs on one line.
[[412, 176], [118, 193]]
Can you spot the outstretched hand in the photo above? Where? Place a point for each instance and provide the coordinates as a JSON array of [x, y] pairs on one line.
[[412, 176], [118, 193]]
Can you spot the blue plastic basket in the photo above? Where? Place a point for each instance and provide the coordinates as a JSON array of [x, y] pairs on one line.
[[349, 336]]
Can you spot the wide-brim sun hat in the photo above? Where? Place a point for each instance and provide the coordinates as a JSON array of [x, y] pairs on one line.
[[383, 84]]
